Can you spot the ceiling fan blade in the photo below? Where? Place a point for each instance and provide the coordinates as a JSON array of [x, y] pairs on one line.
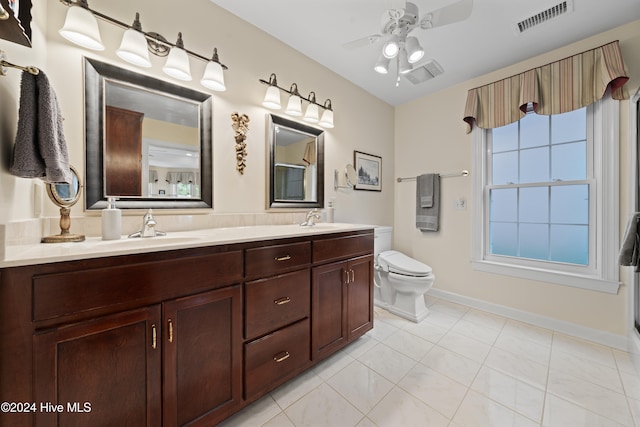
[[395, 4], [364, 41], [455, 12]]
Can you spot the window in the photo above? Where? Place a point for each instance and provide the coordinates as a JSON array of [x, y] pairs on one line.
[[546, 202]]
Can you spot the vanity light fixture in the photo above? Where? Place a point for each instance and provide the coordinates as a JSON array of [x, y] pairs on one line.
[[272, 97], [294, 104], [133, 48], [177, 65], [311, 114], [327, 116], [81, 28]]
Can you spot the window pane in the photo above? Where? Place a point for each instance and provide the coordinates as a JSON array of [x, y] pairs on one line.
[[504, 239], [534, 204], [505, 138], [567, 127], [570, 243], [534, 241], [534, 131], [569, 161], [570, 204], [504, 205], [505, 168], [534, 165]]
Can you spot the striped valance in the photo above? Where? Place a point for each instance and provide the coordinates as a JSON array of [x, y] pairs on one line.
[[555, 88]]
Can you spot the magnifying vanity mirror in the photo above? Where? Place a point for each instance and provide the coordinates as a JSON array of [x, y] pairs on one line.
[[148, 141], [350, 178], [64, 196], [296, 164]]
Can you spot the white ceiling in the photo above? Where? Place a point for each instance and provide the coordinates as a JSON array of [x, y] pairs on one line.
[[483, 43]]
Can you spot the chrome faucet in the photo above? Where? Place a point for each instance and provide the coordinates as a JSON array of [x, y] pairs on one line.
[[312, 215], [148, 227]]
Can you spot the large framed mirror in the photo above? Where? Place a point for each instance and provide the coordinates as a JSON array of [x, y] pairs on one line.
[[296, 164], [148, 141]]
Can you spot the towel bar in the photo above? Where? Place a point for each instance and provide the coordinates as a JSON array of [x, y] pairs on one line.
[[3, 63], [446, 175]]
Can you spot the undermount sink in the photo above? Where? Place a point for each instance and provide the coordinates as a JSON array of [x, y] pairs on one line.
[[152, 241]]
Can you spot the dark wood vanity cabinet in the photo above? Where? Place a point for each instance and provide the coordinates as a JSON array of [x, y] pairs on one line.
[[182, 337], [342, 293]]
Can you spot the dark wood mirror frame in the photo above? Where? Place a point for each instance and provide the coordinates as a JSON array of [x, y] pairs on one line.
[[95, 73], [17, 29], [272, 122]]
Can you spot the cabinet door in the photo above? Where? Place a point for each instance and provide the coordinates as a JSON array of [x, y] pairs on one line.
[[360, 296], [104, 372], [328, 309], [202, 346], [123, 152]]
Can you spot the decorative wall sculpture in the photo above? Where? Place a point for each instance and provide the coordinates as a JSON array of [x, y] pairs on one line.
[[241, 126]]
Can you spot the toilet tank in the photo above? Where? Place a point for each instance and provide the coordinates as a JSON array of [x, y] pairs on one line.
[[382, 241]]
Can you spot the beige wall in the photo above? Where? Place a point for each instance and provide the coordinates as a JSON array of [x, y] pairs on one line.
[[430, 137], [250, 55]]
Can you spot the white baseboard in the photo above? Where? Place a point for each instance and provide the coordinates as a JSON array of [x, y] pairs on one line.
[[605, 338]]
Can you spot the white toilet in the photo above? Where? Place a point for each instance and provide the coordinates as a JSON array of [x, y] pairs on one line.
[[400, 281]]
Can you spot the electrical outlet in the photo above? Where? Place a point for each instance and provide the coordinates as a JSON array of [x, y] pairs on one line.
[[461, 204]]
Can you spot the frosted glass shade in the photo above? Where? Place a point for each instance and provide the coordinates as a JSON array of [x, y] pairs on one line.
[[272, 98], [80, 27], [382, 66], [177, 65], [294, 106], [213, 77], [327, 119], [133, 48], [403, 64], [391, 47], [414, 50], [311, 115]]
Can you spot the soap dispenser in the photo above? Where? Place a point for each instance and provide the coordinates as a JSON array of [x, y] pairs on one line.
[[111, 221]]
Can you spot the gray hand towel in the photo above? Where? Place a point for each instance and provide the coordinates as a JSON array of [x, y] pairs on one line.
[[629, 254], [428, 219], [425, 187], [40, 150]]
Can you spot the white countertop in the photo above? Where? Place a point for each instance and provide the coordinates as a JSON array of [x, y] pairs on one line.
[[95, 247]]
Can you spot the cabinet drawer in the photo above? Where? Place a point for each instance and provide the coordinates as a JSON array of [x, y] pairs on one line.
[[62, 294], [276, 302], [276, 357], [270, 260], [337, 248]]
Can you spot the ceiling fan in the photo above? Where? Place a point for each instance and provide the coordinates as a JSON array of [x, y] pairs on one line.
[[398, 22]]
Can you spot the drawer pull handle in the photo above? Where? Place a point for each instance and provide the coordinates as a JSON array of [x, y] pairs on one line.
[[153, 336], [281, 357], [346, 273], [283, 258], [353, 276], [170, 330], [283, 300]]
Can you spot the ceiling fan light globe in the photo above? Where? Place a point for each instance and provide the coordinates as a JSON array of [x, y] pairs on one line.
[[404, 66], [382, 65], [391, 48], [414, 50]]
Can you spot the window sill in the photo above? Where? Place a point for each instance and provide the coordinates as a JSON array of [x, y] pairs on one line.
[[591, 283]]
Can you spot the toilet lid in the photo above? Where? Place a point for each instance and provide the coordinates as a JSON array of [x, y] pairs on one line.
[[402, 264]]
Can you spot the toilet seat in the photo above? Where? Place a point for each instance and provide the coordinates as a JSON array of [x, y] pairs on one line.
[[398, 263]]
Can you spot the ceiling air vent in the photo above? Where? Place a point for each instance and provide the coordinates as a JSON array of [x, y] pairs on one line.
[[425, 72], [544, 16]]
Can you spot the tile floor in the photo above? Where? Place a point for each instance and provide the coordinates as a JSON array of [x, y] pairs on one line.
[[459, 367]]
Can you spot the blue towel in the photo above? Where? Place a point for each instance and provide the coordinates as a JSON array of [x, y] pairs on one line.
[[40, 150]]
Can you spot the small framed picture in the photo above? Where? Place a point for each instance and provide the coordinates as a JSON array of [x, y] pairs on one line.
[[369, 171]]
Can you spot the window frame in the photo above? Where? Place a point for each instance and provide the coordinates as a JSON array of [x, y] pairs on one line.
[[602, 274]]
